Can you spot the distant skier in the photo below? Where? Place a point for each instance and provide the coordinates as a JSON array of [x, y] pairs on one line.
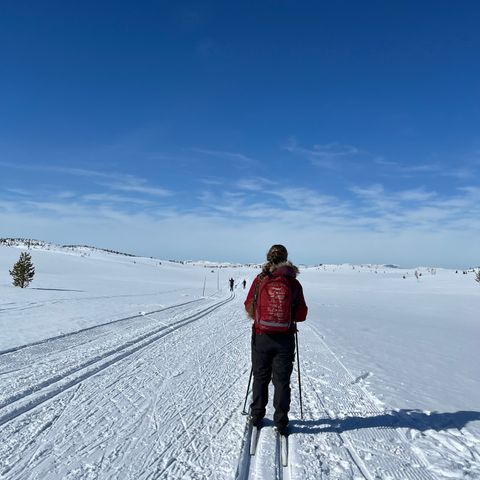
[[275, 302], [244, 283], [231, 282]]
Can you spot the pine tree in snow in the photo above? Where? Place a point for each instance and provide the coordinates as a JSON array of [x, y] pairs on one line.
[[23, 271], [477, 276]]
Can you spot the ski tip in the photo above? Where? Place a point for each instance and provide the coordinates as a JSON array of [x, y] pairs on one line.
[[284, 450]]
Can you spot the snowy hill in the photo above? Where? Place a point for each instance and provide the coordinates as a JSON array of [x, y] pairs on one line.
[[115, 366], [86, 250], [29, 243]]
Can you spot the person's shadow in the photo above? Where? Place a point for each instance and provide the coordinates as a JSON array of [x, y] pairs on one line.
[[56, 289], [414, 419]]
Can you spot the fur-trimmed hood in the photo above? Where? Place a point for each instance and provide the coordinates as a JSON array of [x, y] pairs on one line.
[[282, 268]]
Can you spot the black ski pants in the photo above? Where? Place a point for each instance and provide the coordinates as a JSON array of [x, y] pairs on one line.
[[272, 359]]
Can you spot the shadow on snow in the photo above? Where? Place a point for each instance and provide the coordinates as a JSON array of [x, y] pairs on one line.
[[56, 289], [414, 419]]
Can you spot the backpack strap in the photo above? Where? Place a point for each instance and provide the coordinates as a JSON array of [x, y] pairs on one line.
[[261, 279], [253, 303]]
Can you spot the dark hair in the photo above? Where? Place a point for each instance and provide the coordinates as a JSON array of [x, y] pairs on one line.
[[277, 254]]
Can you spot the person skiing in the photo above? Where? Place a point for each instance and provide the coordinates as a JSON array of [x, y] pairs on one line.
[[244, 283], [276, 303], [231, 282]]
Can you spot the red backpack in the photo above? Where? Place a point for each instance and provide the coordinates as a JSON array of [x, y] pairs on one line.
[[274, 305]]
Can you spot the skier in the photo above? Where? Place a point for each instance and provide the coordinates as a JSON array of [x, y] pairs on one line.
[[275, 302], [244, 283], [231, 282]]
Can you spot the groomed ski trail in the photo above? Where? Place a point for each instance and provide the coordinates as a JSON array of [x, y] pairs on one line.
[[152, 414], [334, 400], [319, 448], [95, 327], [74, 368], [165, 403]]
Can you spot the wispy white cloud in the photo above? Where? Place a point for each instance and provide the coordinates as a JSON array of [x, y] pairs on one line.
[[382, 161], [373, 208], [415, 195], [112, 180], [235, 156], [212, 181], [18, 191], [64, 194], [256, 184], [409, 168], [300, 198], [105, 198], [420, 209], [138, 185], [376, 193], [74, 171], [465, 172], [423, 168], [324, 155], [461, 173], [471, 191], [107, 206], [375, 200], [250, 212], [377, 224]]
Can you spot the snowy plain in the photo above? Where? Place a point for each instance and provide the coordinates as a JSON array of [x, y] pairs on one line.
[[116, 367]]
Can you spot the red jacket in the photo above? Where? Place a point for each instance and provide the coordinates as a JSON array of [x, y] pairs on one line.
[[300, 309]]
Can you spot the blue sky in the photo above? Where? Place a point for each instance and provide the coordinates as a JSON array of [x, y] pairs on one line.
[[347, 130]]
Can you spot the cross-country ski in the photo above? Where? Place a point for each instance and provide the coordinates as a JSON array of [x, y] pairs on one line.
[[254, 439], [283, 441]]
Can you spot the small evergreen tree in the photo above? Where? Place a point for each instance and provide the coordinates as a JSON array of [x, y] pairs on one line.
[[23, 271], [477, 276]]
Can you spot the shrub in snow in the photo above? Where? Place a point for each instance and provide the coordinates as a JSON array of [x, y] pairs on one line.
[[477, 276], [23, 271]]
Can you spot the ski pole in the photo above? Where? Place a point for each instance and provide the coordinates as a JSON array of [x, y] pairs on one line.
[[299, 379], [248, 389]]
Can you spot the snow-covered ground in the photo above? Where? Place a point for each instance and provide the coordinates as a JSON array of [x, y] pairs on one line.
[[116, 367]]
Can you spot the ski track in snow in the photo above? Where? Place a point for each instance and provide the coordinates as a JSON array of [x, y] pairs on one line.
[[345, 409], [97, 326], [158, 396], [70, 370], [375, 452], [332, 442], [13, 306]]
